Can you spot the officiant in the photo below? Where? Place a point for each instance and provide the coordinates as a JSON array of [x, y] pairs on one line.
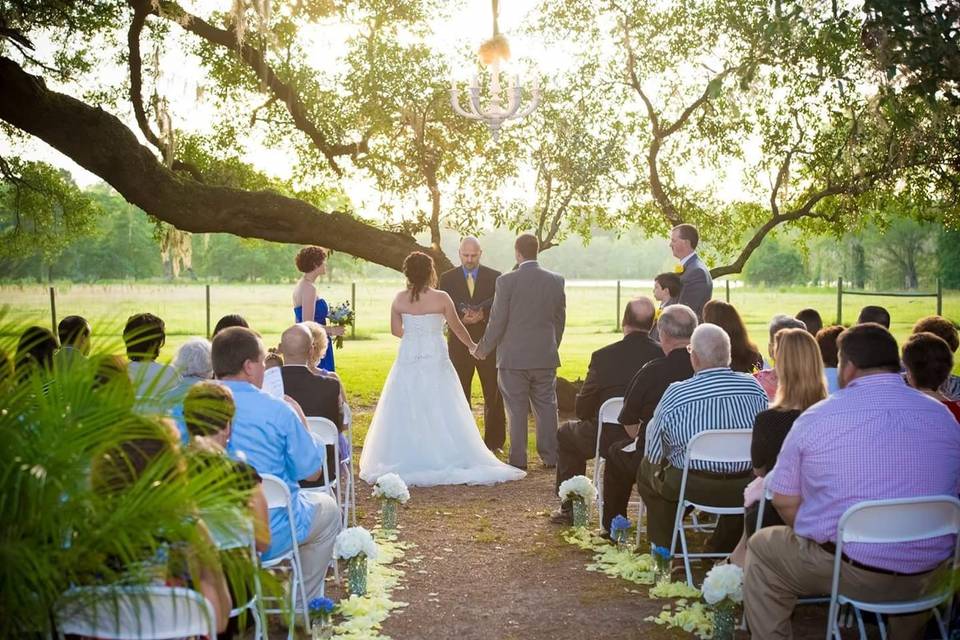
[[471, 286]]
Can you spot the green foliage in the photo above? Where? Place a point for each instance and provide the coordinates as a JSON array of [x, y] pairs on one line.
[[777, 261], [948, 253]]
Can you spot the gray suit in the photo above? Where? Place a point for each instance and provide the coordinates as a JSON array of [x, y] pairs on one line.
[[697, 285], [526, 326]]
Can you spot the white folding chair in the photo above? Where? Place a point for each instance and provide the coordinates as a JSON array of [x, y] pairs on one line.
[[277, 494], [350, 498], [609, 413], [135, 612], [237, 533], [325, 433], [716, 445], [890, 522]]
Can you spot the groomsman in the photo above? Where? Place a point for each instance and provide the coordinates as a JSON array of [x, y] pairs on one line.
[[697, 283], [471, 287]]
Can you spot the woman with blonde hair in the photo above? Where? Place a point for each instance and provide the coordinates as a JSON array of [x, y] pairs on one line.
[[801, 384]]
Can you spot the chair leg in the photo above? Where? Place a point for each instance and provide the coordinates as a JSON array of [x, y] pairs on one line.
[[686, 556], [861, 627], [639, 521]]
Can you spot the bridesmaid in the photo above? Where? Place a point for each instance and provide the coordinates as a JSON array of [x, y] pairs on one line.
[[307, 306]]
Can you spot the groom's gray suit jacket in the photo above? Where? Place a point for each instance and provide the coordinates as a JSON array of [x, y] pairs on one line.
[[527, 319]]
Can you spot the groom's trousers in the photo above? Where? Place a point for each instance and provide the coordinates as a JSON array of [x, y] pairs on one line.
[[523, 389]]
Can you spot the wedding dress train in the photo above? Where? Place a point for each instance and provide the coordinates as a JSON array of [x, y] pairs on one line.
[[422, 428]]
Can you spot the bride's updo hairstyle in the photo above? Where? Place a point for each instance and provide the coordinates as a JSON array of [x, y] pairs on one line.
[[310, 258], [418, 267]]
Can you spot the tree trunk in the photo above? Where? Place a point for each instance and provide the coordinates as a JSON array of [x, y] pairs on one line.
[[100, 143]]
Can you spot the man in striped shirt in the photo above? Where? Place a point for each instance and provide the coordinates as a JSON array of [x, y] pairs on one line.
[[714, 398]]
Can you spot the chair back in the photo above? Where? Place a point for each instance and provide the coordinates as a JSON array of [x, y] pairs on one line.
[[323, 430], [610, 411], [720, 445], [135, 612], [232, 530], [900, 520], [275, 491]]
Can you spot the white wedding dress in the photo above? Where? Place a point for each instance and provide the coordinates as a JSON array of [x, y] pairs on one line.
[[423, 429]]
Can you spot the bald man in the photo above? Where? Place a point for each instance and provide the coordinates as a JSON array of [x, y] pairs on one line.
[[471, 286], [611, 369]]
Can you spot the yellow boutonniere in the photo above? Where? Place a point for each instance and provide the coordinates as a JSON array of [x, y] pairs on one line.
[[678, 268], [656, 314]]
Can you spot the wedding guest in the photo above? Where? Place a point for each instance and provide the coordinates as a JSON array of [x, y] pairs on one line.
[[307, 305], [745, 356], [811, 320], [714, 398], [929, 360], [230, 320], [829, 353], [272, 377], [697, 282], [192, 361], [873, 313], [74, 333], [875, 439], [802, 384], [144, 336], [608, 373], [768, 377], [273, 440], [677, 323], [35, 352], [471, 287], [940, 326], [666, 290]]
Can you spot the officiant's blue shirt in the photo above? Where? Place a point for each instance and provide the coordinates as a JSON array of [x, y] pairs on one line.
[[268, 435], [469, 272]]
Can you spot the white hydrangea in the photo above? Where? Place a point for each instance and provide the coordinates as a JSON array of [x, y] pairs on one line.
[[391, 486], [578, 486], [723, 581], [354, 541]]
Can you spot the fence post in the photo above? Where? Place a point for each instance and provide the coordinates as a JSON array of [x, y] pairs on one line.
[[728, 290], [353, 305], [53, 309], [616, 315], [840, 300], [208, 311], [939, 297]]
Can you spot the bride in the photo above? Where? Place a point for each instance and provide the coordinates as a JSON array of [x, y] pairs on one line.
[[423, 429]]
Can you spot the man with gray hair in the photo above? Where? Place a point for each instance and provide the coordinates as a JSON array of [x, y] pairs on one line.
[[677, 323], [768, 377], [714, 398]]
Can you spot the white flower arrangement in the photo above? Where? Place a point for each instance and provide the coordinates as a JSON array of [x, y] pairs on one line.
[[390, 486], [354, 541], [724, 581], [578, 487]]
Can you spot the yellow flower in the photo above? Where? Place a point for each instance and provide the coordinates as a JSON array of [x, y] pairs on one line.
[[678, 268]]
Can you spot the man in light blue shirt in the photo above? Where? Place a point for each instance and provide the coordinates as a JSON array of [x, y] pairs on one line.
[[269, 436]]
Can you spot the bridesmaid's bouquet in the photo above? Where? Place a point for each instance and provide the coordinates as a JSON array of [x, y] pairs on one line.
[[342, 316]]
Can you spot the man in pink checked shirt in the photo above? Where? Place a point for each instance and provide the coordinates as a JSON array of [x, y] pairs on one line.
[[875, 438]]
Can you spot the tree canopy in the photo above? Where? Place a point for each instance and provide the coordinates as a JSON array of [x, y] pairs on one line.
[[739, 116]]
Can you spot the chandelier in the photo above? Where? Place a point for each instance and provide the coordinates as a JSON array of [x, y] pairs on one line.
[[495, 113]]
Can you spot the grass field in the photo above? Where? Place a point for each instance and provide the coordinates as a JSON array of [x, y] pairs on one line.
[[363, 363]]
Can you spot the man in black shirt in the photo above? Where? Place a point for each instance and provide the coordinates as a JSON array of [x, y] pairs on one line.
[[611, 368], [676, 325]]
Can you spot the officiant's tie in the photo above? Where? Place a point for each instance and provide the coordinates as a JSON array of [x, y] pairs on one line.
[[470, 284]]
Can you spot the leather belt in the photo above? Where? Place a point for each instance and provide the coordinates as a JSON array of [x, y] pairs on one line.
[[831, 548], [713, 475]]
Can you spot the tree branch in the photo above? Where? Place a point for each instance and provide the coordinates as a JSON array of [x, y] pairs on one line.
[[100, 143]]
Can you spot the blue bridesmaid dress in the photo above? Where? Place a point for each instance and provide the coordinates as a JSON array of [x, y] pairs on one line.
[[319, 316]]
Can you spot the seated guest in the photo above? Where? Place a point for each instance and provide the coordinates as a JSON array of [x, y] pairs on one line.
[[74, 334], [873, 313], [144, 335], [929, 360], [827, 341], [714, 398], [677, 323], [940, 326], [192, 361], [230, 320], [272, 377], [811, 320], [35, 352], [874, 439], [269, 436], [768, 377], [666, 290], [801, 385], [608, 373], [744, 355]]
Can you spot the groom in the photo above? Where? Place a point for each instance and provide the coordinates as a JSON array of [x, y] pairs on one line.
[[526, 326]]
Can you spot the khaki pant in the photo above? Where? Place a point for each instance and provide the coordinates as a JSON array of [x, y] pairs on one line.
[[781, 566], [316, 549]]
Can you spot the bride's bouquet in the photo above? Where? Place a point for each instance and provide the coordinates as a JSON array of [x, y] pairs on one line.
[[355, 545], [723, 591], [342, 316], [392, 491], [580, 492]]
